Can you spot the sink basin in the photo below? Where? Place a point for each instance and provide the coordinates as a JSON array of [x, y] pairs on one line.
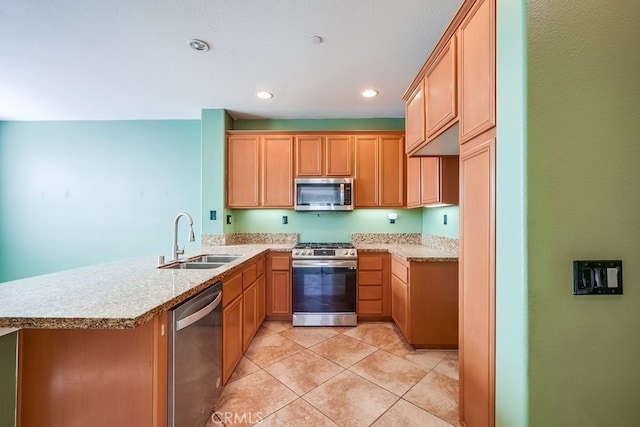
[[194, 265], [202, 262], [214, 258]]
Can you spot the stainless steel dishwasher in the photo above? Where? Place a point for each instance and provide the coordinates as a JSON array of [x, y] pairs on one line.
[[195, 358]]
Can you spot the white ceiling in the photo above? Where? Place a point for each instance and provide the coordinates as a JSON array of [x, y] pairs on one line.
[[129, 59]]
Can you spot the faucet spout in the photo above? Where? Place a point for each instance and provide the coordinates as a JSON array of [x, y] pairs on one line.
[[192, 238]]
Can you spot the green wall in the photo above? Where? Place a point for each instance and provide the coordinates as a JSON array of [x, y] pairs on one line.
[[433, 221], [8, 352], [80, 193], [583, 203]]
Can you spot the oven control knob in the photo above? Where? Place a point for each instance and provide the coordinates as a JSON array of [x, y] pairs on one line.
[[295, 252], [345, 252], [308, 251], [352, 253]]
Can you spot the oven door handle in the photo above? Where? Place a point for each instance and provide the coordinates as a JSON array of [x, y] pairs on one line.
[[351, 265]]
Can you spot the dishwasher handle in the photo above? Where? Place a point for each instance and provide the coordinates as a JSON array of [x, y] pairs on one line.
[[193, 318]]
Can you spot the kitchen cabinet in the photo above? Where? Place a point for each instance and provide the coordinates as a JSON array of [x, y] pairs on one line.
[[241, 313], [278, 293], [415, 117], [379, 171], [424, 302], [232, 324], [374, 291], [477, 280], [318, 155], [440, 91], [477, 70], [259, 171], [243, 171], [80, 376], [432, 181]]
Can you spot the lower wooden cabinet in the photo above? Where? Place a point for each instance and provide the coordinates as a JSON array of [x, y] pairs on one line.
[[279, 286], [424, 302], [99, 377], [374, 293], [242, 313], [232, 321]]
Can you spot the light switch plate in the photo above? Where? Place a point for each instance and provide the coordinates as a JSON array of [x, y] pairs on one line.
[[597, 277]]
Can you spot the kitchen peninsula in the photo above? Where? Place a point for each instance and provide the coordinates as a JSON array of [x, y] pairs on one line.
[[94, 338]]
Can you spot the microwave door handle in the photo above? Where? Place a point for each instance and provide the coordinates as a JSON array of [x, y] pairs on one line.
[[341, 194]]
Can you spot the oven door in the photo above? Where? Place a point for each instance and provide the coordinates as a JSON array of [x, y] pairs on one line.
[[324, 286]]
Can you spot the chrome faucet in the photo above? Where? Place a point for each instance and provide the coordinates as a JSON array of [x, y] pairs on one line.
[[192, 238]]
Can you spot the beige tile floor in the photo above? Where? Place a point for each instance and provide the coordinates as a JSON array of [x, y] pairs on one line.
[[339, 376]]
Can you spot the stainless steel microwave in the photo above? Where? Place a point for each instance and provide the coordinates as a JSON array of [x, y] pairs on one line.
[[324, 194]]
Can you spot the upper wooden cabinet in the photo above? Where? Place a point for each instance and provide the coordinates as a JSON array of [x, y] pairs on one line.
[[318, 155], [477, 70], [432, 181], [440, 90], [379, 171], [259, 171], [277, 171], [415, 117], [243, 171]]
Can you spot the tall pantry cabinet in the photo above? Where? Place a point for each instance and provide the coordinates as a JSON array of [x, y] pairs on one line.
[[470, 38]]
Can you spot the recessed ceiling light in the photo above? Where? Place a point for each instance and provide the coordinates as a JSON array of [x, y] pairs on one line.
[[316, 39], [369, 93], [264, 95], [199, 45]]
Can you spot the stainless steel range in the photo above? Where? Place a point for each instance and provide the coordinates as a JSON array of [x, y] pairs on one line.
[[324, 284]]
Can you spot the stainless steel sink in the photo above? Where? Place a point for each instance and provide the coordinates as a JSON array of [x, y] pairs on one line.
[[194, 265], [202, 262], [215, 258]]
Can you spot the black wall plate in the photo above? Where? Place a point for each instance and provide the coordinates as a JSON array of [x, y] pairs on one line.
[[597, 277]]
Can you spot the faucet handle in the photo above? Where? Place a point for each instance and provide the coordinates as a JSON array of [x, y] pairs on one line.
[[180, 251]]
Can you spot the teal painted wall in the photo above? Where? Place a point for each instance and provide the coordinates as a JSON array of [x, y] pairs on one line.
[[8, 352], [583, 203], [325, 227], [80, 193], [320, 124], [433, 221], [512, 408]]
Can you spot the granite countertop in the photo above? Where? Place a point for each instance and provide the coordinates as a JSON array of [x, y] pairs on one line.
[[411, 252], [115, 295]]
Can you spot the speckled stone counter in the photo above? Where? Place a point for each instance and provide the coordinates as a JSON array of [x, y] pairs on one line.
[[115, 295], [409, 246]]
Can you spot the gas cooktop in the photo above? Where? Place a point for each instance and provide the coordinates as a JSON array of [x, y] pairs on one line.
[[330, 250]]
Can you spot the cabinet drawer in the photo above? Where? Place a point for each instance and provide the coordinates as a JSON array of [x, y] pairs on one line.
[[370, 262], [370, 277], [249, 275], [370, 307], [231, 289], [280, 262], [369, 292], [400, 270]]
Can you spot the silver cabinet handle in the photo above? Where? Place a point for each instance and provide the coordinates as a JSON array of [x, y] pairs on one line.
[[193, 318]]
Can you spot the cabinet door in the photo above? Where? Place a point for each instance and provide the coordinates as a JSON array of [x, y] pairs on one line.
[[391, 178], [430, 188], [277, 167], [249, 314], [278, 293], [414, 177], [477, 70], [309, 155], [415, 116], [339, 155], [243, 171], [441, 90], [477, 280], [367, 171], [231, 337], [399, 306]]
